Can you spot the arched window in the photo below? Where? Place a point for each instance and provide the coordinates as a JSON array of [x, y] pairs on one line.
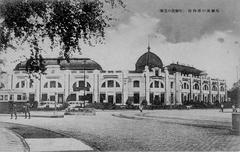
[[81, 84], [59, 85], [21, 84], [151, 85], [110, 84], [31, 84], [156, 84], [103, 85], [196, 86], [52, 84], [214, 88], [222, 88], [136, 84], [185, 86], [162, 86], [205, 87], [117, 84]]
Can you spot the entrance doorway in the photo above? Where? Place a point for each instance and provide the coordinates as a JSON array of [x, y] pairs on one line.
[[110, 99]]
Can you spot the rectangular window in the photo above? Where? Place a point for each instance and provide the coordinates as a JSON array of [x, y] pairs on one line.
[[172, 97], [22, 84], [24, 97], [1, 97], [118, 98], [44, 97], [110, 83], [171, 85], [156, 72], [6, 97], [136, 98], [52, 98], [60, 98], [19, 97], [52, 84], [11, 97], [135, 84]]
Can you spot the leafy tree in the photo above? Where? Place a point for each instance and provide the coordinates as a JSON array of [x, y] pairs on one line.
[[66, 23]]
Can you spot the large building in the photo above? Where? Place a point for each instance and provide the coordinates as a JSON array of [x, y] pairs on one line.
[[71, 81]]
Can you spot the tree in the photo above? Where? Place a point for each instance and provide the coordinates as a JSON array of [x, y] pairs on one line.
[[66, 23]]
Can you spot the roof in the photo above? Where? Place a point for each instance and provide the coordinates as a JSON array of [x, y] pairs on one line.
[[150, 59], [172, 68], [73, 64]]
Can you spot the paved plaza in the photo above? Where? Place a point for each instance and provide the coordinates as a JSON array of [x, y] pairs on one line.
[[161, 130]]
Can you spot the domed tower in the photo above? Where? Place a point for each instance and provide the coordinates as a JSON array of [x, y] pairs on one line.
[[148, 59]]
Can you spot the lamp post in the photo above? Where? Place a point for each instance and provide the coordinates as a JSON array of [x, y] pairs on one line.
[[84, 79]]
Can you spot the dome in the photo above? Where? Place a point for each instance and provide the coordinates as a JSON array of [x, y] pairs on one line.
[[150, 59], [73, 64]]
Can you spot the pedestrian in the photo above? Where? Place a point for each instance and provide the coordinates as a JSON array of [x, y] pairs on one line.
[[234, 108], [26, 107], [13, 109], [222, 106], [141, 107]]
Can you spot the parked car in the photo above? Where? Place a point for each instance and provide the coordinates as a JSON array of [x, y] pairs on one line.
[[49, 105], [75, 105]]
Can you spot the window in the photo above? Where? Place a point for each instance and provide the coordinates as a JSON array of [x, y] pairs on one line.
[[19, 97], [52, 98], [136, 84], [59, 85], [31, 84], [1, 97], [156, 72], [52, 84], [222, 88], [118, 98], [185, 86], [81, 84], [156, 84], [171, 85], [205, 87], [196, 86], [22, 84], [17, 85], [110, 83], [45, 85], [104, 85], [6, 97], [214, 88], [44, 97], [151, 85], [117, 84], [162, 86]]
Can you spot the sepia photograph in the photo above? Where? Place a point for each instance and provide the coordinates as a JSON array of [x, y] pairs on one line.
[[119, 75]]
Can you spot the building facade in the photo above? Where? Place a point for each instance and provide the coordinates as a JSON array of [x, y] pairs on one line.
[[84, 79]]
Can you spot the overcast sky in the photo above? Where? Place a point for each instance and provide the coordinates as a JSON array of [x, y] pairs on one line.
[[207, 41]]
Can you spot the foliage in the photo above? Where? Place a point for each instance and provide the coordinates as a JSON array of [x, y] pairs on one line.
[[66, 23]]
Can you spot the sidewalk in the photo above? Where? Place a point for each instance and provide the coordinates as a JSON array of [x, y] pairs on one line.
[[46, 114], [10, 142]]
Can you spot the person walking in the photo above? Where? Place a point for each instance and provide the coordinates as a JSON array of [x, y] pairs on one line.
[[13, 109], [26, 107], [141, 107], [222, 106]]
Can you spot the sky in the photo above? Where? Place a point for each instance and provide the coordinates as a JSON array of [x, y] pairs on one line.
[[209, 41]]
